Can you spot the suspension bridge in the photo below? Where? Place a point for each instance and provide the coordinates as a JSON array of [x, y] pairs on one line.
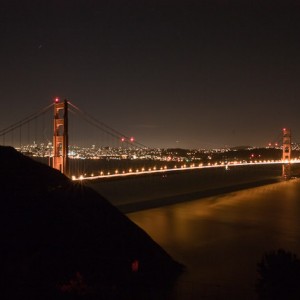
[[55, 136]]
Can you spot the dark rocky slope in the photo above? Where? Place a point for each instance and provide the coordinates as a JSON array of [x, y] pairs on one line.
[[61, 240]]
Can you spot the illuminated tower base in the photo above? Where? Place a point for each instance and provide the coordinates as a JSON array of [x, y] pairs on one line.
[[60, 136], [286, 154]]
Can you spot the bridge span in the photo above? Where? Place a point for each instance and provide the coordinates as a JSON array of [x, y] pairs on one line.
[[184, 167], [58, 150], [130, 193]]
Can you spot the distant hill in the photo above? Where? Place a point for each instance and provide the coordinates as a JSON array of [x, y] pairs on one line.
[[61, 240], [243, 147]]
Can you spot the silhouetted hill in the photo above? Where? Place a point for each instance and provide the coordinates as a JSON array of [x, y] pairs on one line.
[[61, 240]]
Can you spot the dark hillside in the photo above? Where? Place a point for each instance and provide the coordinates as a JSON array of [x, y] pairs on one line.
[[61, 240]]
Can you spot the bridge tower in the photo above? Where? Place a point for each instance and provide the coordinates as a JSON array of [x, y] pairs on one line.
[[286, 153], [60, 136]]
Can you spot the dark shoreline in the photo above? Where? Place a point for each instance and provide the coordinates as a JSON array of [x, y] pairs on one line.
[[164, 201], [62, 240]]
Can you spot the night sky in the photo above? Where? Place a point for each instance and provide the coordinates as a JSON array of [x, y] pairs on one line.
[[189, 74]]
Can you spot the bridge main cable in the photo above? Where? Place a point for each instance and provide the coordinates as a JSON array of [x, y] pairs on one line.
[[100, 125], [26, 120]]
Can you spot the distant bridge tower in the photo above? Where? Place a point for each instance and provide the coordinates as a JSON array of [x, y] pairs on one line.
[[60, 136], [286, 153]]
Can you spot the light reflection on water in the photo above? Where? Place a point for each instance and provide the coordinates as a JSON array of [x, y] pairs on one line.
[[220, 239]]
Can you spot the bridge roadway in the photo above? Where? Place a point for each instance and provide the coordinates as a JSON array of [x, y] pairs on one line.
[[142, 171], [132, 193]]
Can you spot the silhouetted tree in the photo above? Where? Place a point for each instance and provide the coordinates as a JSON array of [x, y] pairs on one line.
[[279, 276]]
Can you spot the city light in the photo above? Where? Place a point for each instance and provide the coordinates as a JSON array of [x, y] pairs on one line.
[[164, 160]]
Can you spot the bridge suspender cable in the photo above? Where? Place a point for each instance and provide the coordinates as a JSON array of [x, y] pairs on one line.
[[104, 127], [24, 121], [93, 123]]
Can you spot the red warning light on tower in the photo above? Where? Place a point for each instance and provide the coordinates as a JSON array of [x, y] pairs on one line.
[[56, 100], [131, 139], [122, 139]]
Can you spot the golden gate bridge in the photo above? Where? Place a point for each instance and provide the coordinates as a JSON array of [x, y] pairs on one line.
[[55, 141]]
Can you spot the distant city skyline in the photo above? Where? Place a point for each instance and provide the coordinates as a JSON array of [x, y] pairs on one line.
[[188, 74]]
